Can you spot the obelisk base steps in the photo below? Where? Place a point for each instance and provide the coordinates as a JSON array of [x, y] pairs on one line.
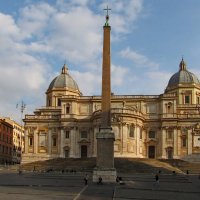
[[107, 175]]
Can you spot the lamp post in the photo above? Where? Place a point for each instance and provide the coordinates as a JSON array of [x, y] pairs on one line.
[[22, 108]]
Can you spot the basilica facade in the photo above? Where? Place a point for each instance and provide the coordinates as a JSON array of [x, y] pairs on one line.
[[145, 126]]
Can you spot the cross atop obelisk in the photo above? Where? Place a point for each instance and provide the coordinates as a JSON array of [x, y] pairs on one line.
[[107, 16]]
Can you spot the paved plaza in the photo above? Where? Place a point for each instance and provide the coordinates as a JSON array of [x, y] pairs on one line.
[[69, 186]]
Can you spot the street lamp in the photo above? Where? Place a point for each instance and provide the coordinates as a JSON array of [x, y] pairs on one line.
[[22, 108]]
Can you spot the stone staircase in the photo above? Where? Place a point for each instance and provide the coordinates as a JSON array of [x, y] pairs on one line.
[[184, 166], [144, 165], [192, 158], [122, 165]]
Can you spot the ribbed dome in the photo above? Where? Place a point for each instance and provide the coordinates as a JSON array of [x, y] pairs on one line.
[[64, 80], [182, 76]]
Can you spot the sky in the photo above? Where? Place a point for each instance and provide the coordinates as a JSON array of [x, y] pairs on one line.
[[148, 40]]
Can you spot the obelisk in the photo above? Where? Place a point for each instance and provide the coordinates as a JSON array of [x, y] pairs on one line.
[[105, 137]]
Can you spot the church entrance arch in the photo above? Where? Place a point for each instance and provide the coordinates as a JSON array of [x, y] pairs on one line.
[[151, 151], [83, 151]]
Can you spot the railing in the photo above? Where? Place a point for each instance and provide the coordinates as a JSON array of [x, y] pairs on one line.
[[120, 111], [42, 117]]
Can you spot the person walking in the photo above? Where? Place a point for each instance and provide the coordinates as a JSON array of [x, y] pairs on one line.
[[157, 183], [86, 179]]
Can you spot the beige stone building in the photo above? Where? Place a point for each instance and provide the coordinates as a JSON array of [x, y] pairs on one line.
[[145, 126], [13, 142], [17, 140]]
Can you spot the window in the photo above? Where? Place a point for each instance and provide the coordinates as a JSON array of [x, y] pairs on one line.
[[83, 134], [67, 134], [169, 134], [67, 109], [187, 99], [59, 102], [169, 107], [132, 131], [152, 134], [140, 133], [42, 139], [198, 100], [30, 141], [54, 141], [184, 142]]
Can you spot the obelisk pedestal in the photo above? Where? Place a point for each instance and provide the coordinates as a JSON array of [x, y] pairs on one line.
[[105, 137], [105, 157]]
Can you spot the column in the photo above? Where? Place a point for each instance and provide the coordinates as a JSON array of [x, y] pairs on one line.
[[49, 142], [35, 145], [124, 138], [175, 143], [73, 142], [179, 142], [189, 142], [26, 142], [62, 142], [163, 143]]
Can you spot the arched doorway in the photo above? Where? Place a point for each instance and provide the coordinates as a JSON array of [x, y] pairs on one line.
[[151, 151]]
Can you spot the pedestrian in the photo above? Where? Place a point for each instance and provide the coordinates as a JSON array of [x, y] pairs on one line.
[[100, 180], [86, 179], [156, 184]]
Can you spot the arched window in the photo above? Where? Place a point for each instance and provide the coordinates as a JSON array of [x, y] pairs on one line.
[[169, 107], [132, 131], [59, 102], [67, 108]]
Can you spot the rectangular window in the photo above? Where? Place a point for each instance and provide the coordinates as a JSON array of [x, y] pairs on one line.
[[132, 131], [184, 142], [54, 142], [169, 134], [187, 99], [83, 134], [42, 139], [59, 102], [140, 133], [67, 109], [152, 134], [198, 100], [67, 134], [30, 141]]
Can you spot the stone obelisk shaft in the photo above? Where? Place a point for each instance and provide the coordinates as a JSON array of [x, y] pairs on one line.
[[106, 83], [105, 137]]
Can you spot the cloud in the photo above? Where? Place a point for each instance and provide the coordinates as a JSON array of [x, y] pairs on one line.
[[156, 81], [34, 19], [89, 82], [139, 59], [79, 38], [118, 74]]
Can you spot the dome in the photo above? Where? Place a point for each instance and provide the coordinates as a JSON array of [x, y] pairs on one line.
[[64, 80], [183, 76]]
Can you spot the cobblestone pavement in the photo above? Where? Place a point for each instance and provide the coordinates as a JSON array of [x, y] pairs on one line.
[[57, 186]]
